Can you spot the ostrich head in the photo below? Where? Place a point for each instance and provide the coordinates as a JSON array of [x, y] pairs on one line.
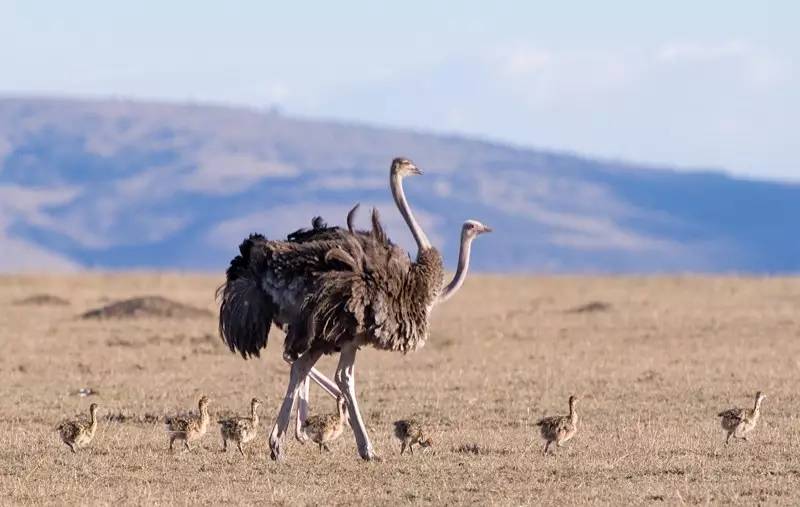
[[93, 408], [760, 397], [255, 403], [203, 403], [403, 167], [473, 228]]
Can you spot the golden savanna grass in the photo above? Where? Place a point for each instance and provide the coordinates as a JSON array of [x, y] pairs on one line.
[[653, 361]]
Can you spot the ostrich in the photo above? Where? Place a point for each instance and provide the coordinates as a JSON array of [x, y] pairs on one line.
[[336, 292], [188, 428], [410, 432], [469, 231], [738, 422], [559, 428], [240, 429], [325, 428], [77, 433]]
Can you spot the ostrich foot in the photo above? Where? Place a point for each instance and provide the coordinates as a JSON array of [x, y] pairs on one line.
[[301, 436], [368, 454], [275, 450]]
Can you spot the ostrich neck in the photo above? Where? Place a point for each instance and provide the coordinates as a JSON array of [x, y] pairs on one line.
[[254, 415], [204, 417], [461, 270], [396, 184], [573, 414], [93, 420], [757, 407]]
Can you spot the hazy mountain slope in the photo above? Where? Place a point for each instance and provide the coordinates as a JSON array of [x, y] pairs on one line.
[[122, 184]]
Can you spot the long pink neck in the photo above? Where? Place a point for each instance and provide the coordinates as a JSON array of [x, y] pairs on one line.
[[461, 270]]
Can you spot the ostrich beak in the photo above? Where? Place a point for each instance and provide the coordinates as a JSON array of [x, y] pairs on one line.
[[486, 228], [415, 170]]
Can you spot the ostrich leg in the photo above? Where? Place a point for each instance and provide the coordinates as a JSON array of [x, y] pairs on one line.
[[345, 378], [300, 369], [302, 411], [325, 383]]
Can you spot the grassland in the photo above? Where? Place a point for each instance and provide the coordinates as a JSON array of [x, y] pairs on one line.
[[653, 363]]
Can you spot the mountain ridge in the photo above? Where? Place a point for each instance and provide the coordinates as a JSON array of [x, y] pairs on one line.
[[120, 184]]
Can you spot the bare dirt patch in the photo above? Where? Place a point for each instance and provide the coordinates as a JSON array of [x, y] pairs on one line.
[[147, 306], [591, 307], [42, 300]]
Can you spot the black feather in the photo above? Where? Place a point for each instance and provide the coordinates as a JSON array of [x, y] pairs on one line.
[[246, 311]]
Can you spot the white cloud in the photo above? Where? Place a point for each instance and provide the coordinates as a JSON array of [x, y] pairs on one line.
[[751, 64], [522, 61], [701, 52], [348, 182], [545, 78]]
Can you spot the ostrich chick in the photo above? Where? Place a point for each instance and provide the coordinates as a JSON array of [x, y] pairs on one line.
[[240, 429], [326, 427], [410, 432], [559, 428], [188, 428], [740, 421], [77, 433]]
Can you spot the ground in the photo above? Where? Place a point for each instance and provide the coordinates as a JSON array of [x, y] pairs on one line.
[[652, 359]]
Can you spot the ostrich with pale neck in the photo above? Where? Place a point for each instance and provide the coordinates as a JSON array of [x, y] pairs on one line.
[[336, 291]]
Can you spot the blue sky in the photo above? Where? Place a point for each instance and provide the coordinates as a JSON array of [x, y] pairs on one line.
[[711, 84]]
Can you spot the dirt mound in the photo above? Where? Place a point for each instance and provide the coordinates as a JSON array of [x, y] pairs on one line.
[[147, 306], [42, 300], [594, 306]]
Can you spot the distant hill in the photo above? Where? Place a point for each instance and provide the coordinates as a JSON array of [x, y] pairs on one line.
[[119, 184]]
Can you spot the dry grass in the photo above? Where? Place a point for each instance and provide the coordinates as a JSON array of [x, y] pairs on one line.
[[652, 368]]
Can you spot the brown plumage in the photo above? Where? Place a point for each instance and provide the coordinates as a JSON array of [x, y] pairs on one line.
[[410, 432], [328, 284], [240, 429], [737, 422], [78, 433], [333, 290], [188, 428], [325, 428], [559, 428]]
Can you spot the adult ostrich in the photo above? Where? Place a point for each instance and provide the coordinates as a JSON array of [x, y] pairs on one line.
[[469, 231], [336, 292]]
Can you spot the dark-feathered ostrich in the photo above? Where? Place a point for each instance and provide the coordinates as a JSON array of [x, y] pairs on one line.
[[469, 230], [336, 291]]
